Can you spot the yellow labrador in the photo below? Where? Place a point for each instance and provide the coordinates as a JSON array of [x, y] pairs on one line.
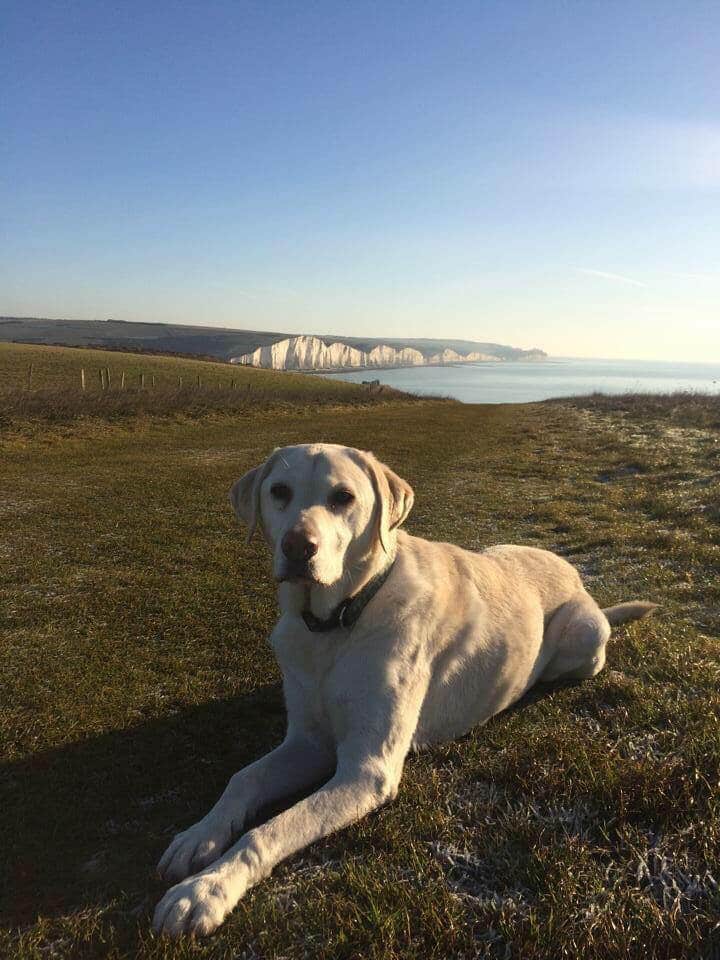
[[386, 643]]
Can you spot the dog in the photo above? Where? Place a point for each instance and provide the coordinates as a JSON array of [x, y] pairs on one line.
[[387, 643]]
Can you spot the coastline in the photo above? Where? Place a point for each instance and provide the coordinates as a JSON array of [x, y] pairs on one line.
[[424, 366], [321, 371], [529, 382]]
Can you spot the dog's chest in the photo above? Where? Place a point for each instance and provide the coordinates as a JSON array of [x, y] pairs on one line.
[[314, 682]]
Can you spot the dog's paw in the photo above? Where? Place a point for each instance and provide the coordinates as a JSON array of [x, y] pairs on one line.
[[195, 848], [197, 906]]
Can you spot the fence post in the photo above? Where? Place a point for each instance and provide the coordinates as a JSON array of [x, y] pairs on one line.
[[142, 381], [152, 380], [30, 373], [101, 375], [198, 381], [82, 378], [180, 382], [122, 380], [107, 377]]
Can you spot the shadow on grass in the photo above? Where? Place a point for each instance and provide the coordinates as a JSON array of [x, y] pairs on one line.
[[89, 820]]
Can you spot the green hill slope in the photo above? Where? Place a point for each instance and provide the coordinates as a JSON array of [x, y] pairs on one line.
[[47, 383]]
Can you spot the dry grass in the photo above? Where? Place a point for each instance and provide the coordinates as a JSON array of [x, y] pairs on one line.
[[42, 385], [681, 408]]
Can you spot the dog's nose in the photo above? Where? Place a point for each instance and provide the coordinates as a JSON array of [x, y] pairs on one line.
[[298, 547]]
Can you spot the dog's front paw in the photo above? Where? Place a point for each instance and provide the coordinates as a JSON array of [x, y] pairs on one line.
[[198, 905], [195, 848]]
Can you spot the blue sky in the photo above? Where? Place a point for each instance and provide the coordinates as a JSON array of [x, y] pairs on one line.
[[536, 173]]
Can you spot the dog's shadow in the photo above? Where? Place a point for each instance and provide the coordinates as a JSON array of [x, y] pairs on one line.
[[85, 824]]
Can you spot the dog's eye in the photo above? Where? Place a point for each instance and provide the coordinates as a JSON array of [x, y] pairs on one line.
[[281, 492], [341, 498]]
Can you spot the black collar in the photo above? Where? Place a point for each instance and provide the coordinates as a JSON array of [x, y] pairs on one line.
[[347, 612]]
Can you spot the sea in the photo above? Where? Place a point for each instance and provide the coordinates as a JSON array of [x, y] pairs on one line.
[[528, 381]]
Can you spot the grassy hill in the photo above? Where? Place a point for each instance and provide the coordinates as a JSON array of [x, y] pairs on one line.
[[135, 677], [45, 383], [165, 338], [57, 368], [206, 341]]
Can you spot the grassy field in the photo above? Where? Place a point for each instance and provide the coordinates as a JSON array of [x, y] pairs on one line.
[[135, 678], [41, 384]]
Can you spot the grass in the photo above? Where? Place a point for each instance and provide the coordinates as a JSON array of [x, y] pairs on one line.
[[136, 678], [685, 409], [40, 385]]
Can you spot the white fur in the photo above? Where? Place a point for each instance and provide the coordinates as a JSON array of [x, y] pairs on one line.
[[451, 639]]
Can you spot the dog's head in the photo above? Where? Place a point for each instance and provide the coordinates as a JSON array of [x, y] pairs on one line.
[[323, 509]]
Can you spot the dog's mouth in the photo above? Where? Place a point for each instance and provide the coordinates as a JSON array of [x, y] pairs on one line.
[[301, 574], [304, 579]]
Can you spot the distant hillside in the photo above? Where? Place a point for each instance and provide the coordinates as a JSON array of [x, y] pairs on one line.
[[218, 342], [161, 337]]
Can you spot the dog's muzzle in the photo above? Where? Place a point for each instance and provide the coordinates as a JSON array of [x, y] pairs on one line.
[[298, 549]]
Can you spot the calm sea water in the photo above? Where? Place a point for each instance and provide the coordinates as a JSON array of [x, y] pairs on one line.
[[524, 382]]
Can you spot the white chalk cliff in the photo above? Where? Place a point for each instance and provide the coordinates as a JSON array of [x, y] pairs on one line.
[[311, 353], [451, 356]]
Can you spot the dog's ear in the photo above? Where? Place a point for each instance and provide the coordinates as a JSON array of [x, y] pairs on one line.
[[245, 495], [395, 498]]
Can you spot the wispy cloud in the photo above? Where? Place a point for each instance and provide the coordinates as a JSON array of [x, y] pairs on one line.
[[605, 275]]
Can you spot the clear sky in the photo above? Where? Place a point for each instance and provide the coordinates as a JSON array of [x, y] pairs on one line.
[[536, 173]]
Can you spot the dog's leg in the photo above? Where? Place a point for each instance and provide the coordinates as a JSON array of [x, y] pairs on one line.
[[367, 775], [201, 903], [297, 763]]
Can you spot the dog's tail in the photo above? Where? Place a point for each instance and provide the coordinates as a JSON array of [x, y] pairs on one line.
[[632, 610]]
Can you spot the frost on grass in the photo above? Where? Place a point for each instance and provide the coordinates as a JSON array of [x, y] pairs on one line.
[[471, 878], [672, 881], [641, 746], [287, 892], [487, 802]]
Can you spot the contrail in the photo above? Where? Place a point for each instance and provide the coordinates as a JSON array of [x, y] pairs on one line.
[[611, 276]]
